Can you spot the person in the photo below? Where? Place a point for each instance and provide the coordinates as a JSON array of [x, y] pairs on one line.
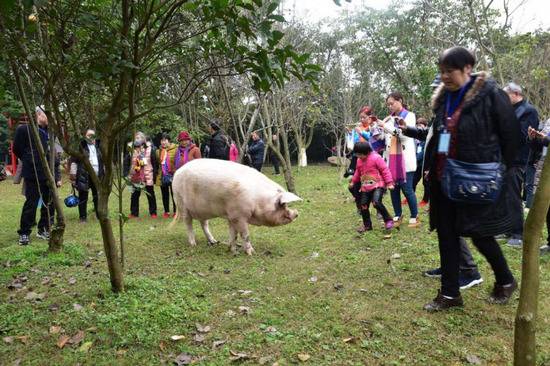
[[186, 151], [80, 178], [37, 191], [256, 151], [540, 140], [400, 154], [420, 123], [473, 123], [218, 146], [360, 133], [527, 116], [469, 275], [233, 151], [273, 156], [166, 158], [141, 166], [373, 176]]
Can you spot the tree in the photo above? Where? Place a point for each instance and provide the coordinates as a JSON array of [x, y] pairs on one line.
[[114, 53]]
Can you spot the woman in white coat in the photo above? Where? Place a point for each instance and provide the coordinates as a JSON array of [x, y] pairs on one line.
[[400, 155]]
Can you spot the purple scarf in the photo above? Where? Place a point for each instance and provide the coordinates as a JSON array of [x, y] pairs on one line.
[[397, 162], [185, 152]]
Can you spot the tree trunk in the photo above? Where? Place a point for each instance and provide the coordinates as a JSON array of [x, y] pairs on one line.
[[526, 315], [109, 242], [286, 163]]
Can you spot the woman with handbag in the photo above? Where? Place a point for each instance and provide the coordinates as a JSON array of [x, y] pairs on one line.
[[472, 139], [166, 155]]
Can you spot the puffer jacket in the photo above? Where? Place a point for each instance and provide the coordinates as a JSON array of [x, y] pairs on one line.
[[487, 131]]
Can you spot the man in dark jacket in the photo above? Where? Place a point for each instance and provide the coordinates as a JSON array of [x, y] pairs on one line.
[[256, 151], [527, 117], [80, 177], [37, 190], [218, 146]]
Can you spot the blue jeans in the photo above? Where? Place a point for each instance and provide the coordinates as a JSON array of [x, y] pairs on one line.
[[408, 191]]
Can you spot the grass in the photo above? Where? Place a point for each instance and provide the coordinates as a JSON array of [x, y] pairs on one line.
[[312, 288]]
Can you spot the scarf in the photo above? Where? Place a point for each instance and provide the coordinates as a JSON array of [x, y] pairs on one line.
[[165, 158], [397, 161], [185, 152]]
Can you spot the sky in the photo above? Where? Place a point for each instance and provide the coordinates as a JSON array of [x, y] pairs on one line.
[[531, 15]]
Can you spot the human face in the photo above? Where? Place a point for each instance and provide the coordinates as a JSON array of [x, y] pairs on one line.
[[42, 119], [184, 143], [514, 97], [364, 119], [164, 143], [90, 136], [454, 79], [255, 137], [395, 106]]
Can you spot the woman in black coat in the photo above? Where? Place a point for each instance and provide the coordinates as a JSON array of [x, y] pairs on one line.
[[481, 127]]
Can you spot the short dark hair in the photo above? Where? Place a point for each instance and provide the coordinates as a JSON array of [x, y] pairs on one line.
[[362, 148], [456, 58], [215, 124], [165, 136]]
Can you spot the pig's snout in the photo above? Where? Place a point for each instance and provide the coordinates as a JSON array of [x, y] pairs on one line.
[[292, 215]]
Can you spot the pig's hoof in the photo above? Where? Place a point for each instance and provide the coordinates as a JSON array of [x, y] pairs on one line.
[[193, 244], [249, 250], [213, 242]]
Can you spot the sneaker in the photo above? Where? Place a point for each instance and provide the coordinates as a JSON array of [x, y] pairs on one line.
[[515, 243], [165, 215], [433, 273], [423, 204], [361, 229], [469, 280], [154, 216], [545, 249], [413, 222], [443, 303], [502, 236], [43, 234], [24, 239], [397, 221], [501, 294]]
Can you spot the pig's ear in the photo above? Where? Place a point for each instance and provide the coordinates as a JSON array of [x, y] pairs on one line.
[[288, 197]]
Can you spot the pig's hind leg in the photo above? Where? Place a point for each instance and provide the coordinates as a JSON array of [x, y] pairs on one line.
[[233, 238], [190, 232], [209, 236]]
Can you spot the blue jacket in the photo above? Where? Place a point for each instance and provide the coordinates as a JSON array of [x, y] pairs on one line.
[[527, 116], [25, 148], [256, 151]]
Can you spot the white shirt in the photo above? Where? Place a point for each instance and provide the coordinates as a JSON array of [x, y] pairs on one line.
[[93, 158]]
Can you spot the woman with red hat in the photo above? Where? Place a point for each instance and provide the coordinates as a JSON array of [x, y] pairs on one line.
[[187, 150]]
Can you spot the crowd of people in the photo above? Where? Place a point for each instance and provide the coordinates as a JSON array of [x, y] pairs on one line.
[[480, 159]]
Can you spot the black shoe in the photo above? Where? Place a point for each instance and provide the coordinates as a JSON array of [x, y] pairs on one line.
[[43, 234], [469, 279], [502, 294], [24, 239], [443, 303], [433, 273]]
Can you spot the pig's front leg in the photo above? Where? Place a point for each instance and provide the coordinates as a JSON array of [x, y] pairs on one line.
[[233, 237], [209, 236], [242, 228], [190, 233]]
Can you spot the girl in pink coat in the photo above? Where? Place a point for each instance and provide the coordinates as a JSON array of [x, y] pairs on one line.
[[375, 177]]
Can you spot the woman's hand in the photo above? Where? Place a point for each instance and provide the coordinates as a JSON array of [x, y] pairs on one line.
[[534, 134], [351, 184], [402, 124], [391, 187]]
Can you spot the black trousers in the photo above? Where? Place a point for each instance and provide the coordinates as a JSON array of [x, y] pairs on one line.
[[356, 194], [417, 178], [257, 165], [515, 180], [450, 249], [33, 192], [151, 199], [275, 162], [374, 197], [167, 195], [83, 201]]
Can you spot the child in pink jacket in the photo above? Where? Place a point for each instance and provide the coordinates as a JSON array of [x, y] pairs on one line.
[[375, 177]]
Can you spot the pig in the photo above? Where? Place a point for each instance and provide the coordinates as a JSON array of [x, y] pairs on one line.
[[208, 188]]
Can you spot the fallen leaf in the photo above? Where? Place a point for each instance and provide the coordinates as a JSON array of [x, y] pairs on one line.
[[217, 344], [77, 338], [245, 310], [23, 339], [238, 356], [62, 341], [264, 360], [270, 329], [54, 329], [200, 274], [33, 296], [349, 340], [77, 307], [396, 256], [314, 255], [364, 290], [199, 338], [313, 279], [121, 352], [162, 346], [183, 359], [8, 340], [72, 280], [303, 357], [86, 346], [338, 286], [87, 264], [202, 329], [46, 280], [91, 329], [244, 292], [230, 313], [473, 359], [53, 307], [177, 337]]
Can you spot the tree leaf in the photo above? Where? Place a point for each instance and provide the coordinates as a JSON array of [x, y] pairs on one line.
[[303, 357], [62, 341], [86, 346]]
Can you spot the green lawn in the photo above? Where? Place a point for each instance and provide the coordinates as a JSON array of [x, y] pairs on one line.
[[312, 289]]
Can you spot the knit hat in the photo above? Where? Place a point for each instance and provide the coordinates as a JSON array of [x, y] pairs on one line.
[[184, 135]]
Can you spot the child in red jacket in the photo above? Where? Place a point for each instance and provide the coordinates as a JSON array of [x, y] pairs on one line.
[[375, 177]]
